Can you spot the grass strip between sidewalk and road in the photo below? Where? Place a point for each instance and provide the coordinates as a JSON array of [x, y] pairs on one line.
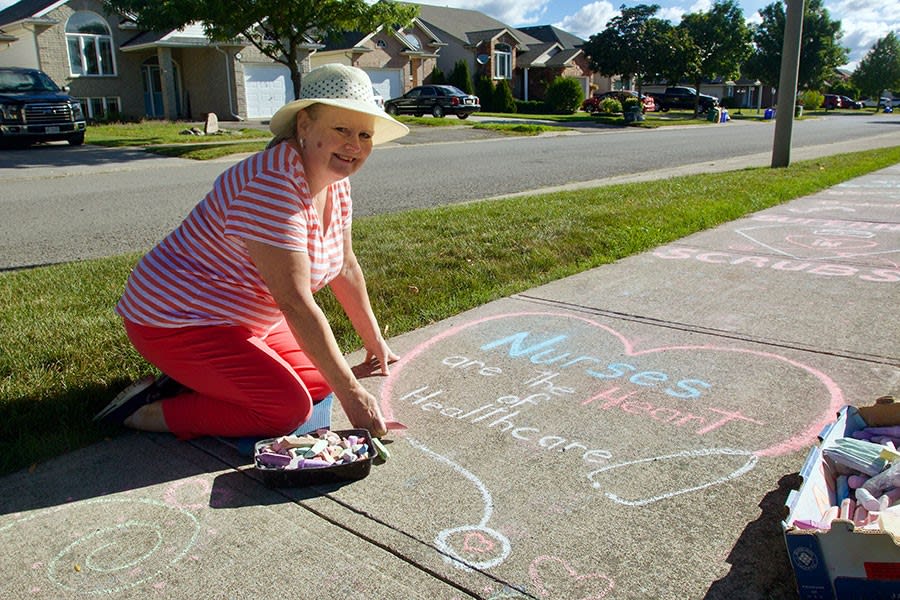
[[64, 355]]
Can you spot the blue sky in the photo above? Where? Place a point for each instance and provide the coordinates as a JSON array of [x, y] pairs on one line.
[[863, 21]]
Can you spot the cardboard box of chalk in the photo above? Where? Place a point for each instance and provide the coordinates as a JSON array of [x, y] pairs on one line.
[[282, 471], [841, 559]]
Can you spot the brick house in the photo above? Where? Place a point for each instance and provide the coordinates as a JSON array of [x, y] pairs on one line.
[[117, 70], [528, 58]]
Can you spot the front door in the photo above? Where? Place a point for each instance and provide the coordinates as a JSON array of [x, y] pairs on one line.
[[151, 76]]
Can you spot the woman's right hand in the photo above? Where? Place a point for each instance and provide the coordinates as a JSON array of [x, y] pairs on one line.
[[361, 407]]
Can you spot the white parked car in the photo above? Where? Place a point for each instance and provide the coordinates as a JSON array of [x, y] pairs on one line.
[[882, 102]]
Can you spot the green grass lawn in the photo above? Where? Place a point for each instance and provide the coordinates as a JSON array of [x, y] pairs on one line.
[[64, 355]]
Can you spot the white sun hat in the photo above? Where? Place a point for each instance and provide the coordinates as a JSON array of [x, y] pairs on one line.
[[341, 86]]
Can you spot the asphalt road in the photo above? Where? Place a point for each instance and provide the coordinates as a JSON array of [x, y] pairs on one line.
[[61, 203]]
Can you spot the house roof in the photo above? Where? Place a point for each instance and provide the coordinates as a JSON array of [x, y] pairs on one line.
[[468, 26], [191, 36], [27, 9], [550, 54], [549, 33], [353, 40]]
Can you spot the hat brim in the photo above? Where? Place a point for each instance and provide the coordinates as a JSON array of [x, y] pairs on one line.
[[386, 127]]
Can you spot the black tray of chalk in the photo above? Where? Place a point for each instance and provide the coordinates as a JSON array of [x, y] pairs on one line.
[[323, 456]]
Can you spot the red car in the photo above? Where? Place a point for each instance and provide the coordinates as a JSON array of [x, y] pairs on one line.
[[592, 105], [832, 102]]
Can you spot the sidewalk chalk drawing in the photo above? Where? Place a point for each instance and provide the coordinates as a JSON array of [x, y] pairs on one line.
[[119, 543], [820, 247], [489, 546], [553, 577], [575, 389]]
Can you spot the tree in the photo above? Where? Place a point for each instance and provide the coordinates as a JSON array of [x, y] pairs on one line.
[[502, 100], [283, 30], [484, 89], [437, 76], [820, 50], [461, 77], [880, 68], [626, 46], [675, 55], [722, 41]]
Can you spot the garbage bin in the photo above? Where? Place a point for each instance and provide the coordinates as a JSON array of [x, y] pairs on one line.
[[713, 115], [798, 111], [633, 115], [769, 113]]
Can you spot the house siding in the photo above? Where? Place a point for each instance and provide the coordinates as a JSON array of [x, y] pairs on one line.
[[53, 59]]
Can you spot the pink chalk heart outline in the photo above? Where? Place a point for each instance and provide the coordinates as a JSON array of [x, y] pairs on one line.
[[787, 245], [797, 441], [541, 576]]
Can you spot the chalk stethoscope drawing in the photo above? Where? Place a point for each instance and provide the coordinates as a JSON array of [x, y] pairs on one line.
[[113, 558], [751, 461], [476, 538]]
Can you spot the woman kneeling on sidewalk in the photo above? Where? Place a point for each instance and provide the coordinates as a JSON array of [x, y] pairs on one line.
[[224, 305]]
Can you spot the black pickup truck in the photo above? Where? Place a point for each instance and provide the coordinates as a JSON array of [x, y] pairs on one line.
[[683, 98], [34, 109]]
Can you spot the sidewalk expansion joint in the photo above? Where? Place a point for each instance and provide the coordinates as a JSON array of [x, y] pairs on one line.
[[247, 472]]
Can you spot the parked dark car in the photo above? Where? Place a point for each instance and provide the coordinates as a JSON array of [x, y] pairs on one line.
[[437, 100], [847, 102], [34, 109], [684, 98], [592, 104]]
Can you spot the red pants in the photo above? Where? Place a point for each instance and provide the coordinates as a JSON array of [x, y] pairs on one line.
[[241, 385]]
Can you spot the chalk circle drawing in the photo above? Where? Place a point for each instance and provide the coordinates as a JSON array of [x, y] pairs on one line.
[[147, 538], [726, 424], [470, 546]]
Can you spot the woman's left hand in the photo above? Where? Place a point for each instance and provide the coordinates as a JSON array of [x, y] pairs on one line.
[[380, 357]]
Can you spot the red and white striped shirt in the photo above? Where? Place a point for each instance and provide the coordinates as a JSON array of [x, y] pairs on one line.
[[201, 273]]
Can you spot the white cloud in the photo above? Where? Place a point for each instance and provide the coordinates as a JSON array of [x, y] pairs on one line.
[[863, 23], [590, 19], [672, 14]]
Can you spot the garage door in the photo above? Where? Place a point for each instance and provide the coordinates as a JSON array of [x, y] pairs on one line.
[[268, 88], [387, 82]]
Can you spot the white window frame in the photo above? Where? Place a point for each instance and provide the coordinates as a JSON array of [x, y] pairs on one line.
[[87, 106], [502, 61], [90, 54]]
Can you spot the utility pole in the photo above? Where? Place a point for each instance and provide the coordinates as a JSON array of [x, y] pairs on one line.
[[787, 84]]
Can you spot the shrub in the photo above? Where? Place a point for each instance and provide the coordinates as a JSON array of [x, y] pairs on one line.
[[502, 99], [529, 107], [631, 104], [437, 76], [461, 77], [810, 99], [484, 89], [611, 105], [564, 95]]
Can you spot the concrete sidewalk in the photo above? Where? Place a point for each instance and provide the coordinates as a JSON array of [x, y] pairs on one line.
[[631, 432]]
